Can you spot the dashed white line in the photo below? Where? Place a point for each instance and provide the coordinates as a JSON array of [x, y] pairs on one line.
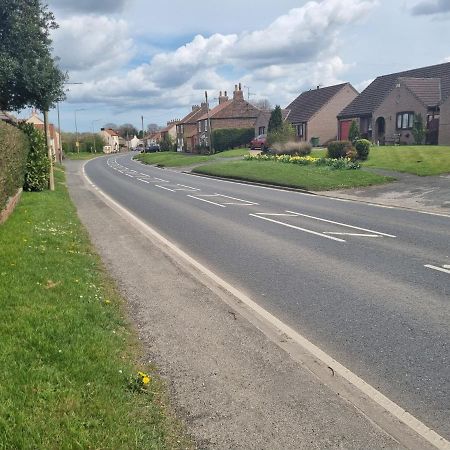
[[298, 228], [336, 233], [188, 187], [128, 175], [340, 223], [207, 201], [144, 181], [238, 199], [166, 188], [439, 269]]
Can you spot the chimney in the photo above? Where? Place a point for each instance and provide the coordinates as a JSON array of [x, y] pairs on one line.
[[238, 93], [195, 108], [223, 98], [102, 129], [318, 87]]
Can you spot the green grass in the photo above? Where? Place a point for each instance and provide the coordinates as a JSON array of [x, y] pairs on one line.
[[292, 175], [176, 159], [419, 160], [66, 352], [82, 155]]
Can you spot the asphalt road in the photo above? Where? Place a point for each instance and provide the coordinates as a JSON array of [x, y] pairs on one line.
[[351, 277]]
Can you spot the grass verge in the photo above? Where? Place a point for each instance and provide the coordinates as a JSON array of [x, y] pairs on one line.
[[82, 155], [175, 159], [420, 160], [66, 352], [292, 175]]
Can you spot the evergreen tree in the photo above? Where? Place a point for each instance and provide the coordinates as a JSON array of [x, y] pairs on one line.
[[418, 130], [276, 120], [353, 134]]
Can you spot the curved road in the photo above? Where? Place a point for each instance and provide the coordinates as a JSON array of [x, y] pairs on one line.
[[369, 285]]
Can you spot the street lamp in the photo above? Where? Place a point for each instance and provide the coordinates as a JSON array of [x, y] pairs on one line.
[[93, 133], [77, 144]]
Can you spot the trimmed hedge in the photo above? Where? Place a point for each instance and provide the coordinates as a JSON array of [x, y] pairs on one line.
[[13, 157], [339, 149], [228, 138], [362, 148]]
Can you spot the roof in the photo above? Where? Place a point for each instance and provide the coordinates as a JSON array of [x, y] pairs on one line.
[[111, 132], [192, 116], [215, 110], [264, 116], [369, 99], [427, 90], [309, 102]]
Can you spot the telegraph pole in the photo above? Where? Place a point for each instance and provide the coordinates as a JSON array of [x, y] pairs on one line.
[[51, 179]]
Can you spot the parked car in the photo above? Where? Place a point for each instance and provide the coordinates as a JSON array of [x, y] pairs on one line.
[[259, 142], [151, 148]]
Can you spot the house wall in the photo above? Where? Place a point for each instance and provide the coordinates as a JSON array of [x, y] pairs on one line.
[[324, 123], [400, 99], [444, 123]]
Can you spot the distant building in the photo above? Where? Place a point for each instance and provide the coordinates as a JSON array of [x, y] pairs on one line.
[[112, 140], [55, 139]]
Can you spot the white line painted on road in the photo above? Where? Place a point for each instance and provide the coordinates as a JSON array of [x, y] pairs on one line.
[[128, 175], [188, 187], [440, 269], [340, 223], [206, 201], [163, 187], [376, 396], [144, 181], [238, 199], [298, 228], [336, 233]]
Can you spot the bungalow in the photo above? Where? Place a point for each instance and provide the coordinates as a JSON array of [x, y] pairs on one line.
[[235, 113], [313, 113], [386, 109], [187, 129]]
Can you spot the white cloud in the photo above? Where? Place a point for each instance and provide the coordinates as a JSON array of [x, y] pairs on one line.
[[92, 46]]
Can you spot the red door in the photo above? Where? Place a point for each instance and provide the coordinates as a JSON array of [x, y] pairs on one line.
[[344, 128]]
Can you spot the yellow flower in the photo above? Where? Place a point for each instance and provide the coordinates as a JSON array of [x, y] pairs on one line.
[[146, 379]]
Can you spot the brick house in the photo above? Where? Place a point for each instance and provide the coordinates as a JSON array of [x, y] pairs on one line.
[[313, 113], [262, 121], [112, 139], [187, 129], [170, 130], [386, 109], [235, 113]]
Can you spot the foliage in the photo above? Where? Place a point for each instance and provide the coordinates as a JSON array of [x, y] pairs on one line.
[[362, 147], [263, 104], [38, 164], [228, 138], [340, 163], [292, 148], [167, 143], [339, 149], [127, 130], [89, 142], [13, 157], [29, 75], [418, 130], [353, 133], [153, 127], [286, 133], [275, 121]]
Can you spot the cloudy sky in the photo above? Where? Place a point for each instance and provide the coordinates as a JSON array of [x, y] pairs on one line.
[[156, 59]]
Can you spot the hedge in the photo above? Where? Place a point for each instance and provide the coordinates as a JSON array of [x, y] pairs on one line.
[[227, 138], [13, 158]]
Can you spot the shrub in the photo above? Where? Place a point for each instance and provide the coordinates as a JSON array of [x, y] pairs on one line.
[[38, 164], [418, 130], [339, 149], [362, 149], [276, 120], [281, 136], [228, 138], [292, 148], [13, 158], [353, 133]]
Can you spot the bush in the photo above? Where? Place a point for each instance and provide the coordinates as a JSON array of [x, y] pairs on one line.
[[281, 136], [339, 149], [292, 148], [353, 133], [228, 138], [362, 149], [38, 164], [13, 158]]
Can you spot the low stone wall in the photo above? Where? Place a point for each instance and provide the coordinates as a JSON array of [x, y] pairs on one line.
[[10, 205]]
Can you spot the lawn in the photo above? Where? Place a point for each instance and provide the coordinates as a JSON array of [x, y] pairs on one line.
[[82, 155], [419, 160], [292, 175], [178, 159], [67, 353]]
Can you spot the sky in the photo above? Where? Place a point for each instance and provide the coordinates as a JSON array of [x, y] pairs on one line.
[[156, 59]]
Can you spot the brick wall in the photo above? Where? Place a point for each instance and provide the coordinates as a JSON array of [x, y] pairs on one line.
[[444, 123]]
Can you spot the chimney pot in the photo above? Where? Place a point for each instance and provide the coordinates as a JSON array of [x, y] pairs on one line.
[[240, 87], [318, 87]]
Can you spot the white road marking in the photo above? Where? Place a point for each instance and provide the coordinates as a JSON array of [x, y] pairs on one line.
[[189, 187], [340, 223], [351, 234], [128, 175], [163, 187], [144, 181], [445, 266], [440, 269], [206, 201], [358, 383], [237, 199], [297, 228]]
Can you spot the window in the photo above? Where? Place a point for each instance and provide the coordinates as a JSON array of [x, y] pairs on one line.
[[405, 120], [206, 125], [199, 127], [301, 128], [262, 130]]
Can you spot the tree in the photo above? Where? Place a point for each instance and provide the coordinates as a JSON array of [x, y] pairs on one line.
[[275, 121], [418, 130], [167, 144], [152, 127], [29, 74], [353, 133], [262, 104], [127, 130]]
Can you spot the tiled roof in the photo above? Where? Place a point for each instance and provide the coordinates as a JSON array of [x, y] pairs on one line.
[[111, 132], [309, 102], [427, 90], [215, 110], [374, 94]]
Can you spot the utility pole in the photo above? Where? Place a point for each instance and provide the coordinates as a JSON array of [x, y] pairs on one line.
[[211, 149], [59, 137], [142, 120], [51, 179]]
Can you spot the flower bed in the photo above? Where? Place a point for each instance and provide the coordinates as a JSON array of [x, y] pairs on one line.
[[341, 163]]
